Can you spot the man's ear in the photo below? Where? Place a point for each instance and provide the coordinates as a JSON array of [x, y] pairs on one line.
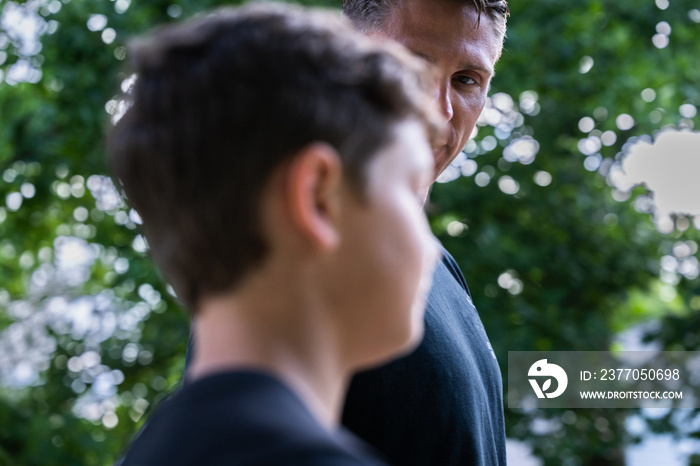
[[313, 194]]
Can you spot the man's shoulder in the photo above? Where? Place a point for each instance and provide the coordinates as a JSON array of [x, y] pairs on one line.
[[449, 264], [441, 404], [455, 349]]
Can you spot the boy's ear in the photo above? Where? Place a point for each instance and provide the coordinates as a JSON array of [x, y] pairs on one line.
[[313, 192]]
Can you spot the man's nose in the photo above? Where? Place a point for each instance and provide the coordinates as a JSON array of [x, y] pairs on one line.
[[444, 100]]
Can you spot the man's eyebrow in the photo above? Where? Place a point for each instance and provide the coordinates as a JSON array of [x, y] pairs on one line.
[[484, 69], [424, 56], [466, 66]]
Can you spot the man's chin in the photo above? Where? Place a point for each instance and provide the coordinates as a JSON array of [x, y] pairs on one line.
[[440, 167], [441, 160], [442, 157]]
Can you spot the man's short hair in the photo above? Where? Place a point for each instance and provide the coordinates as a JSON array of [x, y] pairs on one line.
[[221, 101], [370, 15]]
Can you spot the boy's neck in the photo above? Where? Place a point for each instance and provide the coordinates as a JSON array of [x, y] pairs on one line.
[[278, 333]]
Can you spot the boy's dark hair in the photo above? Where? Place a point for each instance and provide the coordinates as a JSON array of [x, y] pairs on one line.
[[369, 15], [221, 101]]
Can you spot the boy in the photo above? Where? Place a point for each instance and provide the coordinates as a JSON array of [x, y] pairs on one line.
[[279, 161]]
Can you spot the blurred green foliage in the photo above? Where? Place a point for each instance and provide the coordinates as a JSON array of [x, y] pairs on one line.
[[556, 258]]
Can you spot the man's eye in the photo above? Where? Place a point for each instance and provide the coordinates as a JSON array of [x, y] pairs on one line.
[[463, 79]]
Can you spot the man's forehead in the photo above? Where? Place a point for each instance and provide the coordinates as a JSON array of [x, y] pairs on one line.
[[439, 30], [415, 13]]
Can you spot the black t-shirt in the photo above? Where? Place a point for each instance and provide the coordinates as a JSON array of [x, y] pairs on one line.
[[443, 404], [241, 418]]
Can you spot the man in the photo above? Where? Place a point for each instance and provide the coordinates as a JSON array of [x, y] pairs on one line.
[[441, 405], [278, 160]]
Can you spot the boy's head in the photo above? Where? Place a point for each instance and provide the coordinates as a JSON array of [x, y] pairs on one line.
[[222, 102]]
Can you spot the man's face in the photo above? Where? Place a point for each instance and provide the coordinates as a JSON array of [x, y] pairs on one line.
[[445, 33]]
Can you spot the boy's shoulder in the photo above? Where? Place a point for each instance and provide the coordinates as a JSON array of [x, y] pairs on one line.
[[239, 417]]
